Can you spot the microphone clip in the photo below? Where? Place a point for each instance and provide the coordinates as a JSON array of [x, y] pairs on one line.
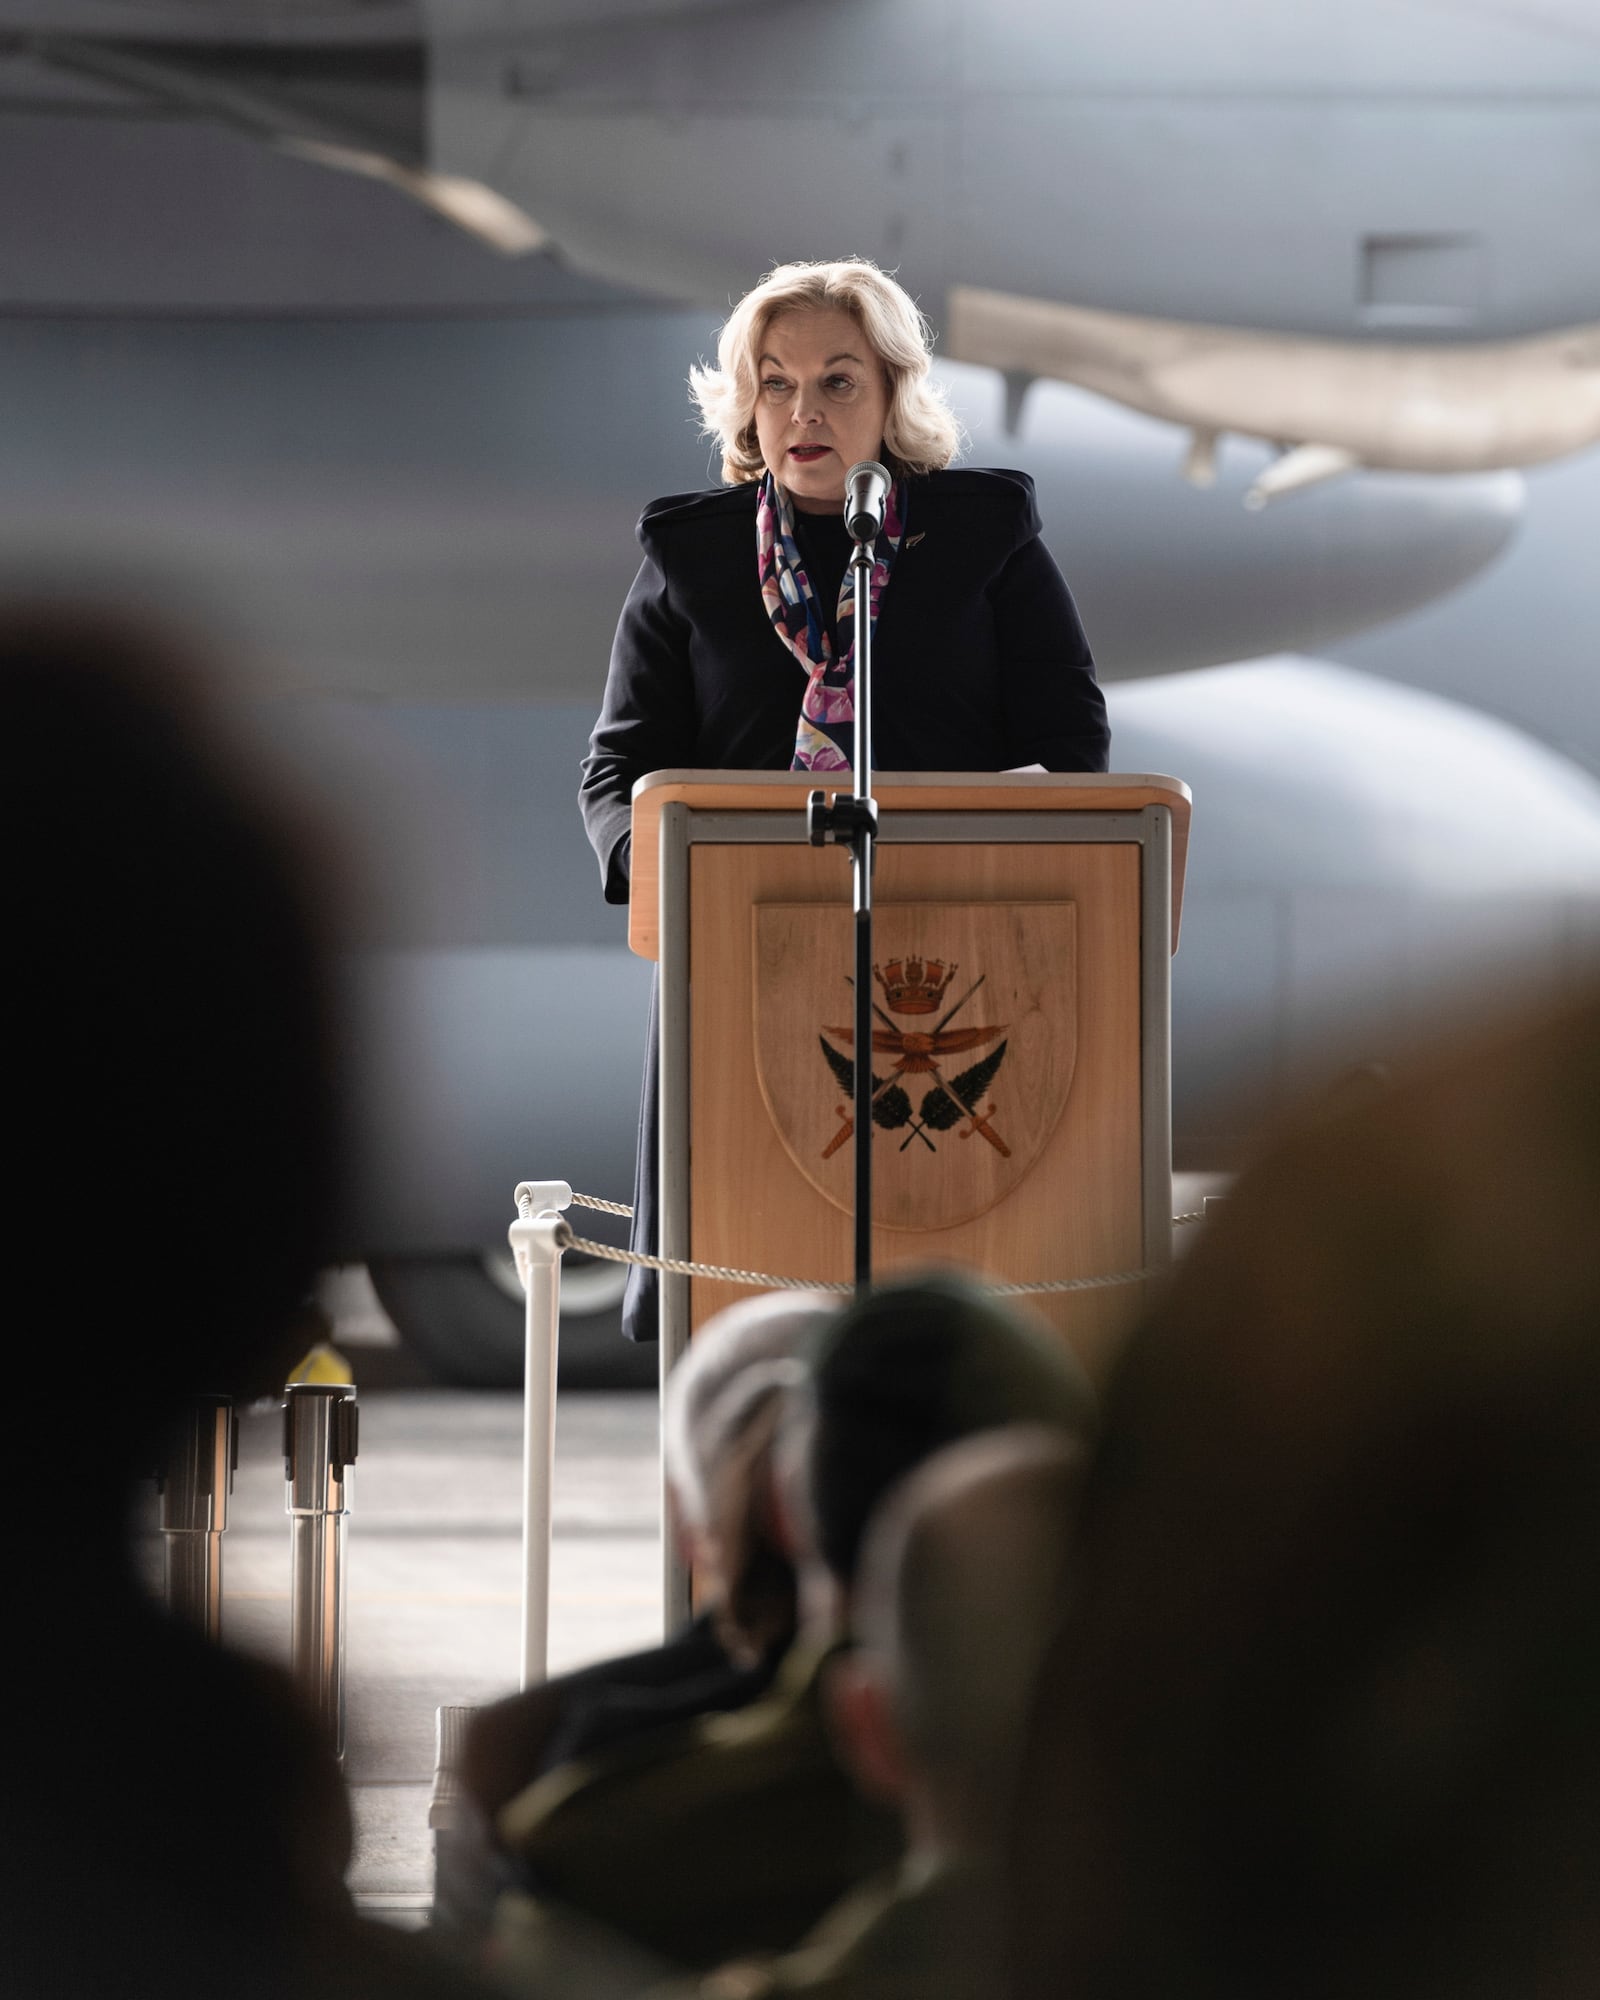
[[843, 822]]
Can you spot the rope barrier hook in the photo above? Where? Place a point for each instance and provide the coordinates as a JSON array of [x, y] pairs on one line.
[[536, 1197]]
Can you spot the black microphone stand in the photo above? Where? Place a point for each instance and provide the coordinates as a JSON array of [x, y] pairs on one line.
[[853, 822]]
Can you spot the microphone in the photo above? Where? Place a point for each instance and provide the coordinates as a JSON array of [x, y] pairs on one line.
[[866, 494]]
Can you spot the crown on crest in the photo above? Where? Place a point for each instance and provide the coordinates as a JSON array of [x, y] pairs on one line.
[[914, 985]]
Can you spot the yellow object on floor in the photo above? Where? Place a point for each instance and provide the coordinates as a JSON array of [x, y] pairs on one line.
[[323, 1364]]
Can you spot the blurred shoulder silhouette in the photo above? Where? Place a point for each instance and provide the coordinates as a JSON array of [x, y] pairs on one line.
[[1322, 1718]]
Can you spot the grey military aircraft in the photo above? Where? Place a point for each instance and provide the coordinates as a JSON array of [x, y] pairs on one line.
[[1356, 231], [1359, 232], [257, 357]]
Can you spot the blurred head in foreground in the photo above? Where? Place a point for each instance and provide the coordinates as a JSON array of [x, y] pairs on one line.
[[915, 1366], [720, 1415], [172, 1821], [171, 1105], [1323, 1718], [961, 1585]]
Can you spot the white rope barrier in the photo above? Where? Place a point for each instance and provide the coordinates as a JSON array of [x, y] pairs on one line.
[[621, 1208], [684, 1267], [681, 1267], [605, 1207]]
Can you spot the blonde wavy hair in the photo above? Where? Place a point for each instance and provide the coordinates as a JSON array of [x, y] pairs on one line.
[[919, 432]]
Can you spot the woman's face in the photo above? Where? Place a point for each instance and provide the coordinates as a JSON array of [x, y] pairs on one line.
[[820, 406]]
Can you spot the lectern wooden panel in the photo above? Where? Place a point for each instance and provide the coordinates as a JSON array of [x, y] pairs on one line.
[[1020, 1076]]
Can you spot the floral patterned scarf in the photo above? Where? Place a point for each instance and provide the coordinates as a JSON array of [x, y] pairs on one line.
[[824, 740]]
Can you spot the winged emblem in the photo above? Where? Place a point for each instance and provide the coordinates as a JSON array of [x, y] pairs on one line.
[[915, 987]]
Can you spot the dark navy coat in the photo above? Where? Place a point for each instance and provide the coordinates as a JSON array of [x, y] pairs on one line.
[[979, 660]]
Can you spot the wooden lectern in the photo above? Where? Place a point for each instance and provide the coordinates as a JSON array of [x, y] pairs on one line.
[[1021, 1058]]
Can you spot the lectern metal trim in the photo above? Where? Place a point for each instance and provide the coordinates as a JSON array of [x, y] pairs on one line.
[[771, 829], [1155, 1028]]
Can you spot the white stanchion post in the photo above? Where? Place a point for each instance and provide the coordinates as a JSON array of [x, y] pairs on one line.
[[535, 1244]]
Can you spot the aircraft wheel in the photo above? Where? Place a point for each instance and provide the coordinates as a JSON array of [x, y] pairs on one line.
[[464, 1316]]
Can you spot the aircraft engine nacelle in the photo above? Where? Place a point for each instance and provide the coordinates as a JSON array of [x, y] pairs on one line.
[[1333, 405]]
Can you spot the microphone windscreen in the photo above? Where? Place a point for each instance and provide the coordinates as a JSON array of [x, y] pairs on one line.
[[866, 495]]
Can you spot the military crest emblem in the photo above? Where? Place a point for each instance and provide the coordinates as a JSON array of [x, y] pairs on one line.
[[912, 1051], [974, 1044]]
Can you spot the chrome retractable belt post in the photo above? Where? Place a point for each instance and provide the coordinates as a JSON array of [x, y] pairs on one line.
[[195, 1480], [319, 1446]]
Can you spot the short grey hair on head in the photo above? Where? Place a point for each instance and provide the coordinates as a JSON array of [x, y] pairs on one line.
[[920, 434], [727, 1370], [961, 1588]]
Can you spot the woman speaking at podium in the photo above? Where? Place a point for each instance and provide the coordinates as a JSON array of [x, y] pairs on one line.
[[735, 646]]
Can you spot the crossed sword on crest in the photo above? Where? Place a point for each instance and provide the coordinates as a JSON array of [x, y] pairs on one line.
[[917, 1054]]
